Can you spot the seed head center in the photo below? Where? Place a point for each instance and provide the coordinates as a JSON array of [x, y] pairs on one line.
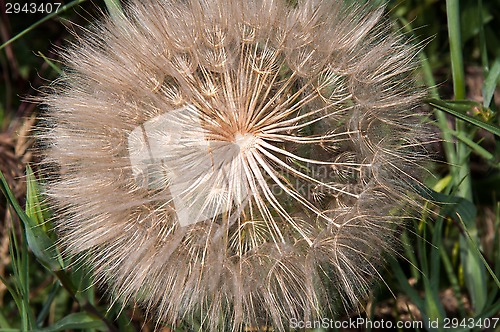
[[245, 141]]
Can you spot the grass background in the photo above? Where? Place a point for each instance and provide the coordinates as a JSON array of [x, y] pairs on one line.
[[450, 264]]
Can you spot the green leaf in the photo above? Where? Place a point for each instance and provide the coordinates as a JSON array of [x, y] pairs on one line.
[[114, 8], [79, 320], [34, 208], [457, 208], [40, 244], [460, 109]]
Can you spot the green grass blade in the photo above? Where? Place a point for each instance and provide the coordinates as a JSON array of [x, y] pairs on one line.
[[403, 282], [82, 279], [12, 292], [79, 320], [457, 65], [490, 83], [114, 8], [4, 324], [409, 254], [482, 39], [46, 306], [50, 63], [20, 268], [34, 208], [474, 146], [473, 245], [37, 23], [453, 16], [473, 264], [463, 212], [448, 267], [442, 122], [459, 109], [435, 309], [474, 273]]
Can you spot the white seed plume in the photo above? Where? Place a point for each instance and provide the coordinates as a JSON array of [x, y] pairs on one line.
[[234, 162]]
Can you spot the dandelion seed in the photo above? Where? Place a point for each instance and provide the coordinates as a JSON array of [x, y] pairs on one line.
[[236, 162]]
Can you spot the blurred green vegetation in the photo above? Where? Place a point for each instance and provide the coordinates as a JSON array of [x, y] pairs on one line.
[[451, 260]]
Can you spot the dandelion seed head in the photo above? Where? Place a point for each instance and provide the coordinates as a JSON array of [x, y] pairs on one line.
[[236, 162]]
